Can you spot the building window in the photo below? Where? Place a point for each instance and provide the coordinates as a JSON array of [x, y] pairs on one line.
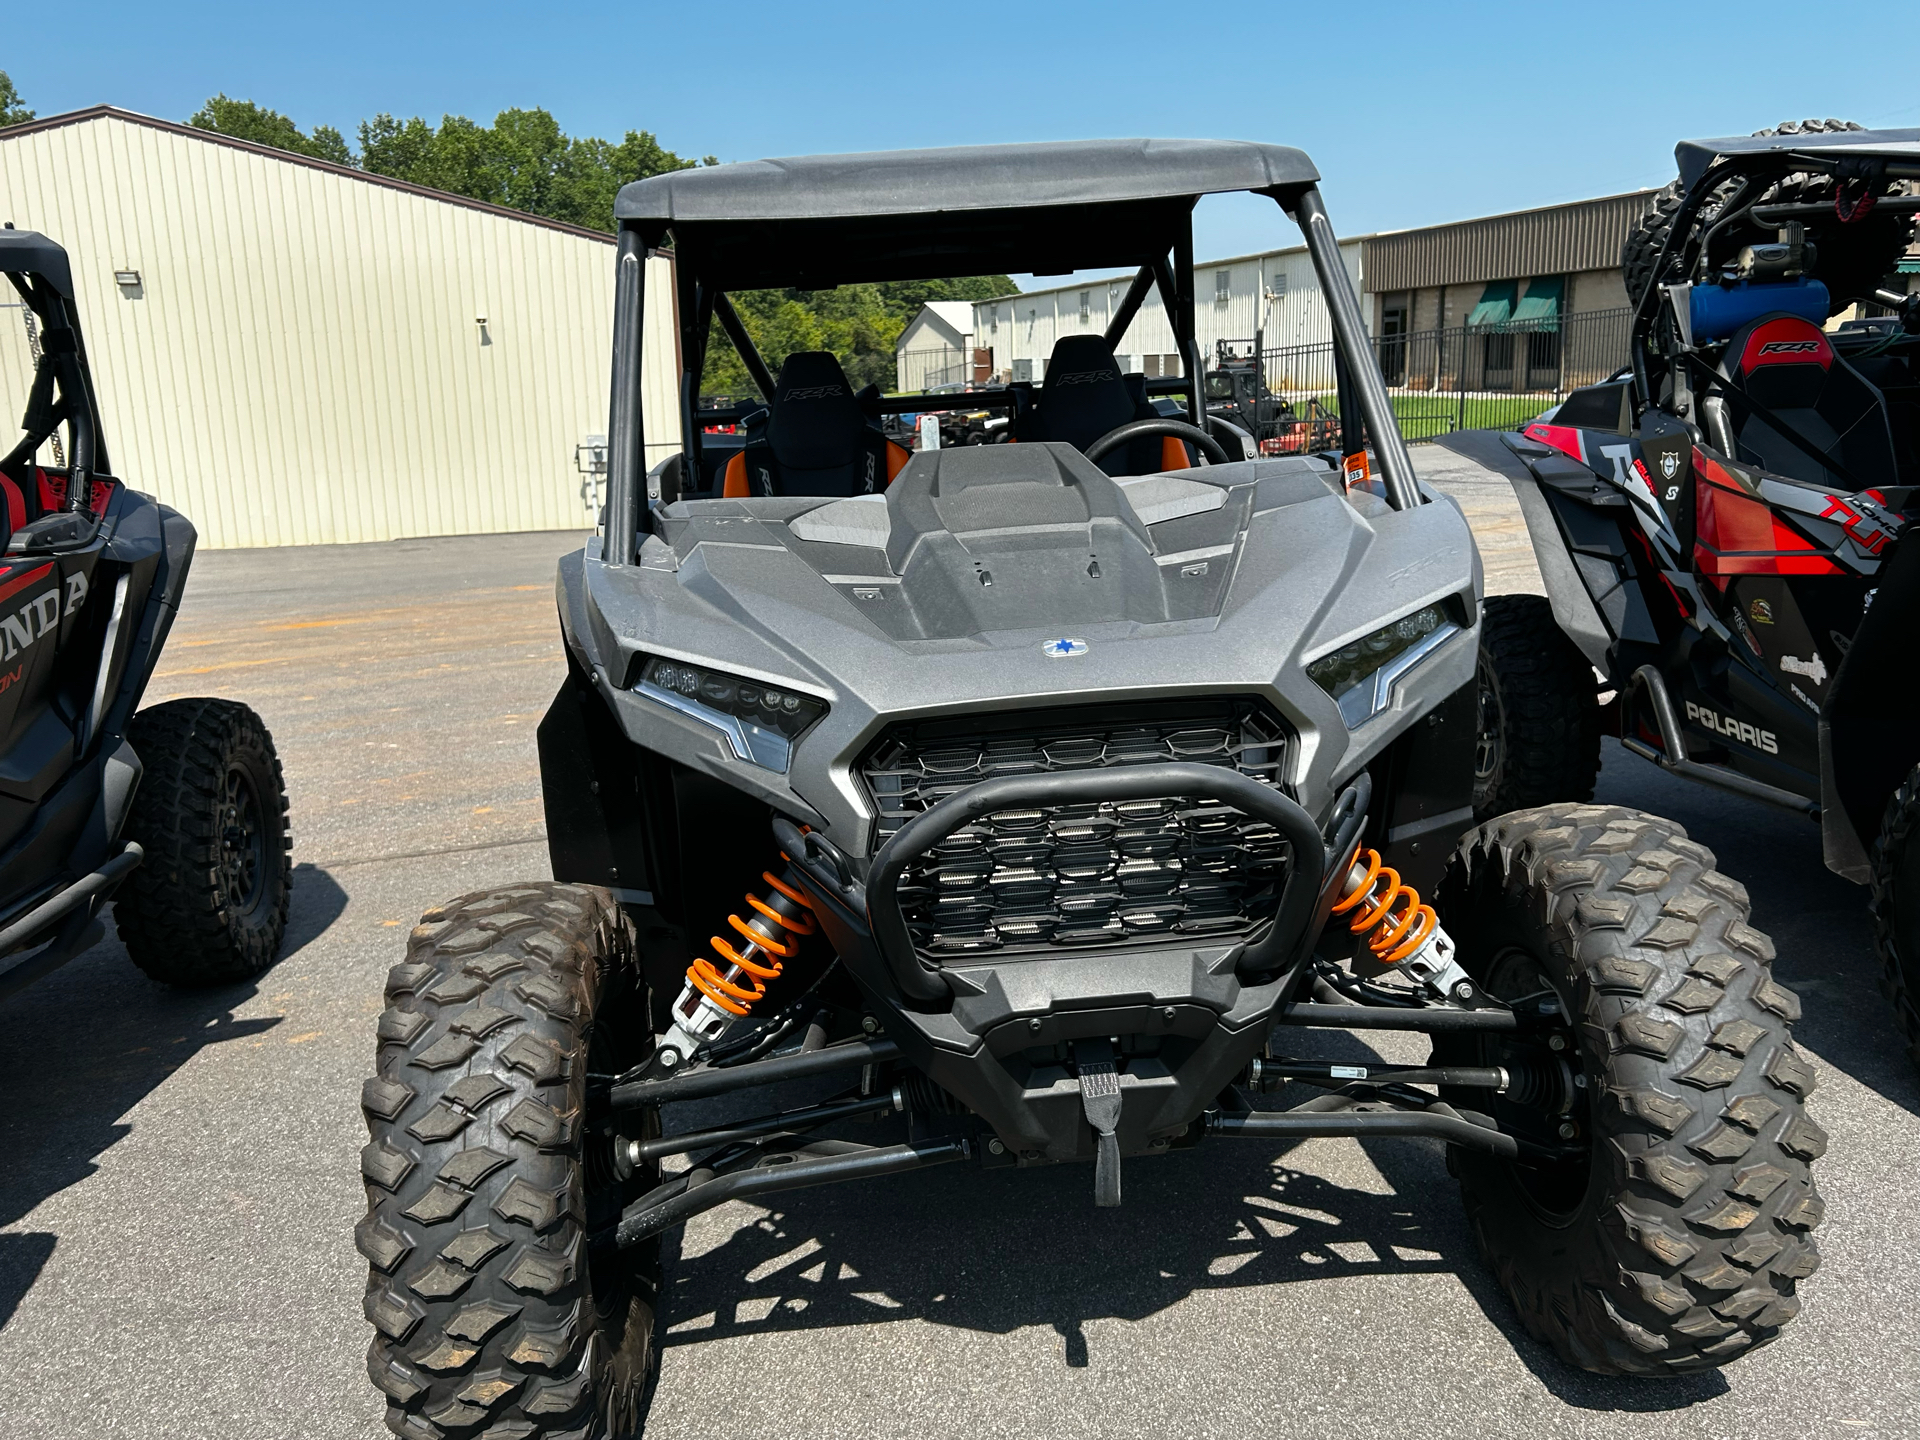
[[993, 321], [1222, 286], [1277, 286], [1086, 303]]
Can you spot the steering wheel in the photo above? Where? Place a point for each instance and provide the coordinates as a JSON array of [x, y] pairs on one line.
[[1157, 425]]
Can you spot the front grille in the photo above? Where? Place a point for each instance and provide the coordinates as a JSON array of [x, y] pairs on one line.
[[1073, 876]]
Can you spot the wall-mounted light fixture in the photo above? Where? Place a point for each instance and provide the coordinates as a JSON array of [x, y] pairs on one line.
[[127, 279], [481, 322]]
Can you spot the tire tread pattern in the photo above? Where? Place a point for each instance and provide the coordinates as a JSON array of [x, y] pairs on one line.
[[172, 913], [1551, 737], [478, 1286], [1694, 1239]]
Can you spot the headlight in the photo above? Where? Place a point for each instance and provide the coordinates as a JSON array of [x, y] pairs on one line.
[[1360, 676], [761, 722]]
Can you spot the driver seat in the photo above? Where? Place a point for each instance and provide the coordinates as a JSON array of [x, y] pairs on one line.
[[1084, 396], [1786, 363], [815, 439]]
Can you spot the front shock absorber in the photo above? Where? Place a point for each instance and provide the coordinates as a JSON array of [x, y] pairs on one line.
[[717, 994], [1399, 929]]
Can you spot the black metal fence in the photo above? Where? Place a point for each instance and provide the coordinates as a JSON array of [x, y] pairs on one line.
[[1467, 377]]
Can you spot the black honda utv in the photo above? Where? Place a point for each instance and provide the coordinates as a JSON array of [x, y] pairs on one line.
[[176, 814], [1725, 530], [1068, 795]]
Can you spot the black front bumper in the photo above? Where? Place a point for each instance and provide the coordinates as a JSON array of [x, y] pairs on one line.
[[999, 1033]]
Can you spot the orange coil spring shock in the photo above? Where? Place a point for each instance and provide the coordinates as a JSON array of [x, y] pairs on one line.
[[772, 936], [1391, 916]]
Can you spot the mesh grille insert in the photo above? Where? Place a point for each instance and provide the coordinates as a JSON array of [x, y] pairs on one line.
[[1073, 876]]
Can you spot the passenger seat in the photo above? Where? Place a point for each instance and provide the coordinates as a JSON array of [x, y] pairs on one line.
[[814, 439]]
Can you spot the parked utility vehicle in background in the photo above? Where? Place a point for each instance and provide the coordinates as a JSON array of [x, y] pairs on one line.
[[177, 813], [1726, 530], [1071, 783]]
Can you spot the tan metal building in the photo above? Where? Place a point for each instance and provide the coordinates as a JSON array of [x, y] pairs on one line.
[[297, 353]]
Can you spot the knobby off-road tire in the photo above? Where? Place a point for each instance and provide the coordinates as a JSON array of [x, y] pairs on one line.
[[1539, 736], [1896, 909], [1674, 1238], [208, 905], [492, 1316]]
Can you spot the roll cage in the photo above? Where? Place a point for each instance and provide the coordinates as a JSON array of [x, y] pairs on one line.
[[1734, 177], [62, 388], [918, 214]]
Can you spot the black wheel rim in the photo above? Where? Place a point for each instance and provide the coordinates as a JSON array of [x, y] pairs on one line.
[[1489, 742], [243, 844], [1546, 1106]]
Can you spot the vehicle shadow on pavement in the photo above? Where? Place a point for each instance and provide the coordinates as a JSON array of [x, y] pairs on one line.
[[998, 1251], [86, 1045], [1818, 922]]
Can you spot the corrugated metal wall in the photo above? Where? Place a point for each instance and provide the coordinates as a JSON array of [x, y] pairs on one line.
[[1557, 240], [1276, 293], [302, 361]]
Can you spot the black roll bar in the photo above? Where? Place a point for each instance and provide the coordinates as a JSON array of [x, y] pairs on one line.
[[1130, 305], [626, 437], [743, 345], [1350, 340]]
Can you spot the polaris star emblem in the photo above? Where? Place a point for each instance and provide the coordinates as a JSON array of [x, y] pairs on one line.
[[1063, 649], [1670, 464]]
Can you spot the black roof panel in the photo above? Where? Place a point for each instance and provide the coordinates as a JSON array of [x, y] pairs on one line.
[[24, 252], [1694, 156]]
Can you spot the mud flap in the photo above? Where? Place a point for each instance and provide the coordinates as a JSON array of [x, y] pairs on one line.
[[1100, 1102]]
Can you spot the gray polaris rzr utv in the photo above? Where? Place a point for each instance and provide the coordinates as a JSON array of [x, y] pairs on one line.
[[1068, 794]]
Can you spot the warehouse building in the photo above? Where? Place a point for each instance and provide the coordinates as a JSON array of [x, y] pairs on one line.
[[1529, 302], [1274, 296], [293, 352]]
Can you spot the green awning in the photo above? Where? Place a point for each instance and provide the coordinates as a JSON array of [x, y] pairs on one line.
[[1496, 304], [1910, 265], [1542, 305]]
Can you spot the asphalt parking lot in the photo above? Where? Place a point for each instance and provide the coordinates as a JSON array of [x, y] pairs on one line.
[[180, 1178]]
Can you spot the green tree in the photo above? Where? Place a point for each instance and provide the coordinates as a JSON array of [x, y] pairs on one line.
[[523, 161], [860, 324], [12, 111], [244, 120]]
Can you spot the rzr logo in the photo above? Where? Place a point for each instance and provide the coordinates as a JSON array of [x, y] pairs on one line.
[[815, 392], [1791, 347], [1082, 377], [1761, 740]]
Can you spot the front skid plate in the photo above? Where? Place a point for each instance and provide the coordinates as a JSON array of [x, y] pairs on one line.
[[1185, 1023]]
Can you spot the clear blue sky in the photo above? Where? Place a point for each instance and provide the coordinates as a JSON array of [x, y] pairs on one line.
[[1415, 113]]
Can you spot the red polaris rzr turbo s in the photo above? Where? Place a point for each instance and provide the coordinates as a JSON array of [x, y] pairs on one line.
[[1724, 529]]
